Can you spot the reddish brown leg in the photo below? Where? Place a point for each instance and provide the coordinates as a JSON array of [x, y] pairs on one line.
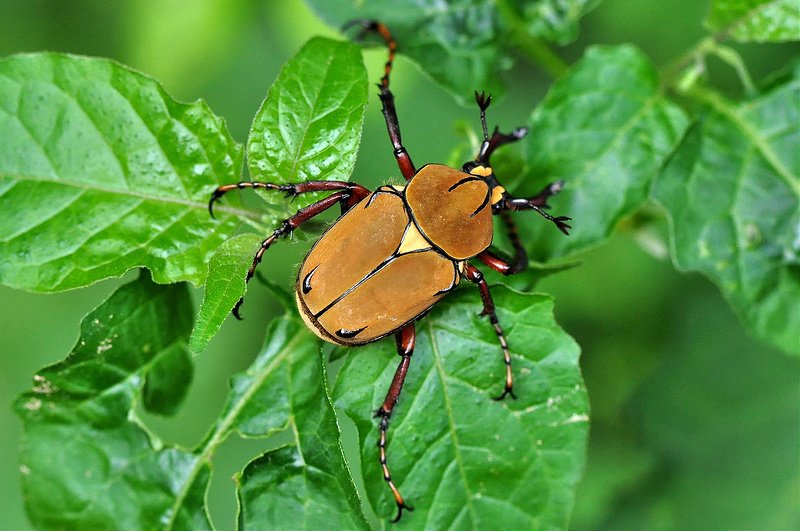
[[387, 98], [356, 191], [348, 194], [405, 348], [520, 260], [473, 274], [539, 204]]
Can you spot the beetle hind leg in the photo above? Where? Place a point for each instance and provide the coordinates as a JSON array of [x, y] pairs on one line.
[[405, 348], [474, 275]]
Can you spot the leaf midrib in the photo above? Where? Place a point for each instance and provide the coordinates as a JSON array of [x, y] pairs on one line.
[[133, 194]]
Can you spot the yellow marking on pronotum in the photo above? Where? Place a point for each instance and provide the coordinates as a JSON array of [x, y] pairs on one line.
[[497, 194], [483, 171]]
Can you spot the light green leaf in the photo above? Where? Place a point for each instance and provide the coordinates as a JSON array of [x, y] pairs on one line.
[[101, 171], [605, 129], [87, 462], [226, 284], [461, 459], [309, 126], [306, 484], [756, 20], [732, 192]]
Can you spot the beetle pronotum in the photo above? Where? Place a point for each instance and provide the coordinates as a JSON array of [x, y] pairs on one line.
[[407, 247]]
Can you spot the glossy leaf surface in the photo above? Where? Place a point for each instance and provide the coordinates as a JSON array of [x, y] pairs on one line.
[[309, 126], [307, 483], [462, 44], [226, 283], [101, 171], [461, 459], [756, 20], [605, 129], [732, 191], [87, 461]]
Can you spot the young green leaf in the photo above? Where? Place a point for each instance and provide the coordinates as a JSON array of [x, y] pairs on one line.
[[87, 462], [732, 192], [309, 126], [226, 283], [461, 459], [605, 129], [307, 482], [101, 171], [756, 20]]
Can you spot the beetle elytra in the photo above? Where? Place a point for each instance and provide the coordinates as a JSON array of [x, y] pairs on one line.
[[407, 247]]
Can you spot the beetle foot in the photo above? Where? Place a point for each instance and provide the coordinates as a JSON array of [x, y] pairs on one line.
[[400, 506], [236, 307], [483, 100], [508, 391]]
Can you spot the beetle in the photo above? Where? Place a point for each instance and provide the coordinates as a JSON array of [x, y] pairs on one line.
[[407, 247]]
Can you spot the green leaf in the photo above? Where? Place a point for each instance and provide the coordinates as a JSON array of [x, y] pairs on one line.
[[101, 171], [605, 129], [553, 20], [461, 459], [732, 192], [462, 44], [756, 20], [306, 484], [226, 284], [87, 462], [309, 126]]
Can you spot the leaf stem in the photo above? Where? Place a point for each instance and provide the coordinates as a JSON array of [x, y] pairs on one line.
[[535, 49]]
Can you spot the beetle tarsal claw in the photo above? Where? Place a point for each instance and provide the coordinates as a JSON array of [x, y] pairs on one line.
[[508, 391], [400, 506]]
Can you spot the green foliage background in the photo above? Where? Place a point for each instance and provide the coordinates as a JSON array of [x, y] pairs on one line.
[[694, 423]]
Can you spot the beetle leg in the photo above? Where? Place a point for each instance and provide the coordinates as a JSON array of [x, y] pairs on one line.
[[286, 228], [356, 191], [387, 98], [405, 348], [539, 204], [474, 275], [520, 260]]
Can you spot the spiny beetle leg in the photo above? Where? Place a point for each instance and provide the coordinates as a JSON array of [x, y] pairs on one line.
[[405, 348], [290, 189], [520, 260], [539, 204], [387, 98], [303, 215], [474, 275]]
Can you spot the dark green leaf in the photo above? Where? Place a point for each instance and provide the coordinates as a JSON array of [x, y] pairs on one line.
[[455, 42], [461, 459], [309, 126], [307, 484], [87, 462], [756, 20], [732, 192], [226, 283], [101, 171], [605, 129]]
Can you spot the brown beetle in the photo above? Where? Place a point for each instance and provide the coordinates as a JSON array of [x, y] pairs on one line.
[[407, 247]]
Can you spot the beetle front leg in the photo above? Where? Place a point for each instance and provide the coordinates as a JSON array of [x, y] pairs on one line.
[[474, 275], [538, 203], [405, 348]]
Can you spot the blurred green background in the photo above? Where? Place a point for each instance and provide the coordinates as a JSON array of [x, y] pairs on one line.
[[694, 424]]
